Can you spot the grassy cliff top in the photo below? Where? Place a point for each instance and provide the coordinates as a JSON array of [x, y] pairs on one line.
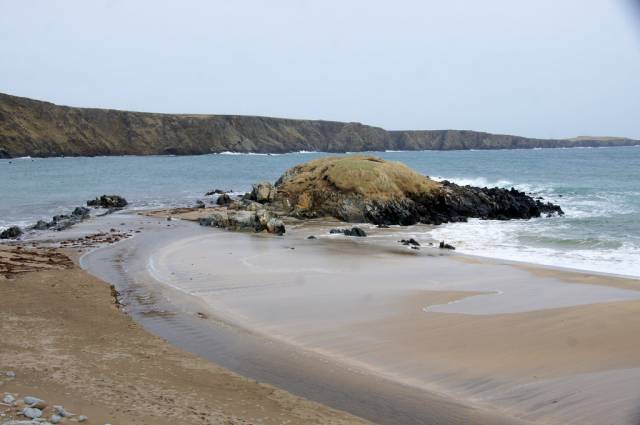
[[368, 176]]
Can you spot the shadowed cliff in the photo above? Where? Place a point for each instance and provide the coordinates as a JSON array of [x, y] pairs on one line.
[[34, 128]]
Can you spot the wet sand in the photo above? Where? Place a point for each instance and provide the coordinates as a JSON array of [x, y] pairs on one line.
[[377, 329], [68, 343], [189, 323]]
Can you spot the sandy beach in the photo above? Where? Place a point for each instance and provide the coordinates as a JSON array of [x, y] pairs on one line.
[[363, 325], [68, 343], [526, 342]]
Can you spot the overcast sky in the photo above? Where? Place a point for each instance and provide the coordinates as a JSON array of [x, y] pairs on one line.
[[543, 68]]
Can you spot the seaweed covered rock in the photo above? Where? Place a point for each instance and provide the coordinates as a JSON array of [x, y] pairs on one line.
[[369, 189]]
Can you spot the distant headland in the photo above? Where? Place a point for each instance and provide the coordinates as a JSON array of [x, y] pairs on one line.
[[41, 129]]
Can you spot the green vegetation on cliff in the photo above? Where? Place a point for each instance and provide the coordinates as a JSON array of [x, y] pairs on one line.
[[36, 128]]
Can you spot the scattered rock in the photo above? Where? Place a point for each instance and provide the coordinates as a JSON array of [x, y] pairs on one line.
[[12, 232], [108, 201], [32, 412], [115, 295], [199, 204], [81, 212], [55, 419], [258, 221], [311, 237], [41, 225], [60, 410], [216, 192], [276, 226], [9, 399], [223, 199], [63, 221], [383, 226], [263, 192], [35, 402], [411, 241], [444, 245], [82, 418], [354, 231], [10, 374]]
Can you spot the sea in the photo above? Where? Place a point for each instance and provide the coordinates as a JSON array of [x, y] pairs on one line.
[[598, 188]]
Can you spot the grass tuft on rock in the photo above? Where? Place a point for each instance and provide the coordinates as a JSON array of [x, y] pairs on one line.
[[367, 176]]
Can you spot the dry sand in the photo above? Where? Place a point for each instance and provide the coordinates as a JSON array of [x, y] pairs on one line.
[[68, 344]]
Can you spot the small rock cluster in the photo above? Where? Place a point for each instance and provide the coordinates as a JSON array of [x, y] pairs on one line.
[[410, 242], [262, 192], [108, 201], [63, 221], [444, 245], [32, 410], [12, 232], [258, 220], [217, 192], [354, 231]]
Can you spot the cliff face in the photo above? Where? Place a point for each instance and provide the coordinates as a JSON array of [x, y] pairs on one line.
[[35, 128]]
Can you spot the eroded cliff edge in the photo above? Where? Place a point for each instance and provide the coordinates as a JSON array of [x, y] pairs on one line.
[[41, 129]]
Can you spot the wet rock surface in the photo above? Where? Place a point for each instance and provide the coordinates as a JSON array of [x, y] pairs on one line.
[[369, 189], [12, 232], [354, 231], [108, 201]]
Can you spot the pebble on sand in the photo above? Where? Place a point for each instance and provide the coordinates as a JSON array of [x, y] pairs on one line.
[[32, 412]]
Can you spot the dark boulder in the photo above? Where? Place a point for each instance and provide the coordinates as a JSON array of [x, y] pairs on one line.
[[411, 241], [108, 201], [354, 231], [82, 212], [262, 192], [444, 245], [223, 199], [12, 232], [216, 192], [41, 225], [199, 204]]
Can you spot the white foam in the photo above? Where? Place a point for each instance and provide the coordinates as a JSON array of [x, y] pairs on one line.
[[500, 239], [475, 181]]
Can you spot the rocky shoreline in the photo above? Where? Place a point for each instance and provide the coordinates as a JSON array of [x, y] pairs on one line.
[[367, 190]]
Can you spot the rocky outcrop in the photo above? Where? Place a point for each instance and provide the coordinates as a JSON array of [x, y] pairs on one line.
[[223, 199], [263, 192], [12, 232], [108, 201], [42, 129], [245, 219], [368, 189], [63, 221]]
